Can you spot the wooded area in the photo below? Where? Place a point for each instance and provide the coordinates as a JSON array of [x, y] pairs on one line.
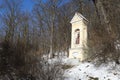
[[26, 36]]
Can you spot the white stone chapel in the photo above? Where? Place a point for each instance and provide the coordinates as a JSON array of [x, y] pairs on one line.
[[78, 37]]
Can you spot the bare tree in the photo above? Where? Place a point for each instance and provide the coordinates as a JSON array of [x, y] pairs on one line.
[[10, 19], [108, 32]]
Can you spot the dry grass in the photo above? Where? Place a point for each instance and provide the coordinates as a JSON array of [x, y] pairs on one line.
[[66, 66]]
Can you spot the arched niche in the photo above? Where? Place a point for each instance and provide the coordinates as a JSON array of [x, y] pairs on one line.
[[77, 36]]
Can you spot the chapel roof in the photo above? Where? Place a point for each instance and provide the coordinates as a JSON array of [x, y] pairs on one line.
[[78, 17]]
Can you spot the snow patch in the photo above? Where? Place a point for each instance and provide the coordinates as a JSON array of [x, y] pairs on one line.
[[85, 71]]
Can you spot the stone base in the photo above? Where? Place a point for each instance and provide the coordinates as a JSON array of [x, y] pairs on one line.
[[76, 53]]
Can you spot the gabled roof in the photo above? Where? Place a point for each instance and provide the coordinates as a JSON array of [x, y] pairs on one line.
[[78, 17]]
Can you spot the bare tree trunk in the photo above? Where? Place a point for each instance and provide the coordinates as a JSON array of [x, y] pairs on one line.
[[51, 43], [102, 14]]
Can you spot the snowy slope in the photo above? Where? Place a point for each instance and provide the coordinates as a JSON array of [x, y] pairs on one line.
[[87, 71]]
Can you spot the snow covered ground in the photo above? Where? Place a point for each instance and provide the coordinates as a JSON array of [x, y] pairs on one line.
[[87, 71]]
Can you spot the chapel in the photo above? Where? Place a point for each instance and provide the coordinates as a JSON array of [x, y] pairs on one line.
[[78, 37]]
